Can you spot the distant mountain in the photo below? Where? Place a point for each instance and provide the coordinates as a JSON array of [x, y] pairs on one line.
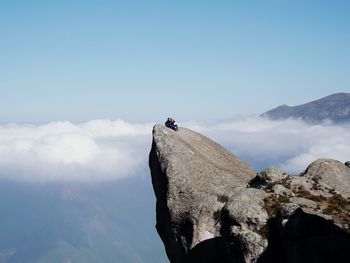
[[335, 107]]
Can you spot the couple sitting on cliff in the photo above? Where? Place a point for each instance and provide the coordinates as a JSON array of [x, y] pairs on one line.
[[170, 123]]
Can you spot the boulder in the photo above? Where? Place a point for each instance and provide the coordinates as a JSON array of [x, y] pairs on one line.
[[193, 177], [273, 174], [246, 208], [332, 173], [279, 189], [243, 218]]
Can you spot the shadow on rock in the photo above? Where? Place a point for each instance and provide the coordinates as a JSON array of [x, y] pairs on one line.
[[306, 238], [215, 250]]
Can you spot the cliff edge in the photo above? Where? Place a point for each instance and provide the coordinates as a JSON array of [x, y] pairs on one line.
[[213, 207]]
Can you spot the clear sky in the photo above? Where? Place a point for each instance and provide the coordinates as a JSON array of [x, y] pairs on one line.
[[144, 60]]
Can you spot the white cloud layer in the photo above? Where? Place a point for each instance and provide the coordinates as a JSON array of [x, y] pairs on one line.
[[108, 150], [290, 144], [95, 150]]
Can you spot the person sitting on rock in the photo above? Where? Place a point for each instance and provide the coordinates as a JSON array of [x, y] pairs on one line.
[[170, 123]]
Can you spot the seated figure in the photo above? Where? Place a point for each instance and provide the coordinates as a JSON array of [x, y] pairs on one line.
[[170, 123]]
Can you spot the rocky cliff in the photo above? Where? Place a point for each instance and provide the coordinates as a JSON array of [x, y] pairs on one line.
[[213, 207]]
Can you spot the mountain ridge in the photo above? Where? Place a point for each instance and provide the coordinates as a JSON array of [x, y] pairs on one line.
[[334, 107]]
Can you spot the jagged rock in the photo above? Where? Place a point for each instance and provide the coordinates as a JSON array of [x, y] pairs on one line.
[[279, 189], [208, 210], [252, 244], [242, 218], [287, 210], [246, 208], [303, 184], [332, 173], [303, 202], [268, 176], [192, 177], [273, 174]]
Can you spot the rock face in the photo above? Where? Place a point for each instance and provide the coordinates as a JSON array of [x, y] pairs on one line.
[[213, 207], [193, 177], [332, 173], [335, 107]]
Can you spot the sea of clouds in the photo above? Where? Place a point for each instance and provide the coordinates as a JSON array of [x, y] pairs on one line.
[[109, 150], [290, 144], [94, 150]]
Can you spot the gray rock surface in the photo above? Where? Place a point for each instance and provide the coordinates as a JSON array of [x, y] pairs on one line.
[[304, 202], [245, 215], [287, 210], [212, 207], [332, 173], [246, 208], [273, 174], [279, 189], [193, 177]]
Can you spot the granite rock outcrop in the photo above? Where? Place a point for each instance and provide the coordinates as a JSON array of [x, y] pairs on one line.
[[213, 207]]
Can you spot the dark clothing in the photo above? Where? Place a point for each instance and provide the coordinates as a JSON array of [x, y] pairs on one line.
[[170, 123]]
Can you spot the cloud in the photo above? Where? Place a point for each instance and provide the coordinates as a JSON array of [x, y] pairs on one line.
[[290, 144], [95, 150], [109, 150]]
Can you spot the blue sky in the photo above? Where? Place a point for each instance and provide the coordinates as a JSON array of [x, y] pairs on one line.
[[145, 60]]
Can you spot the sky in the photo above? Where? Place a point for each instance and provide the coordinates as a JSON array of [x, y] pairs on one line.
[[82, 82], [143, 61]]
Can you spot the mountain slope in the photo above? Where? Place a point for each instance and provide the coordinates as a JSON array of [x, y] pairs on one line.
[[335, 107]]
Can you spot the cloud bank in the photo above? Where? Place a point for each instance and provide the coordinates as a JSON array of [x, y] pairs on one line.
[[290, 144], [95, 150], [109, 150]]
